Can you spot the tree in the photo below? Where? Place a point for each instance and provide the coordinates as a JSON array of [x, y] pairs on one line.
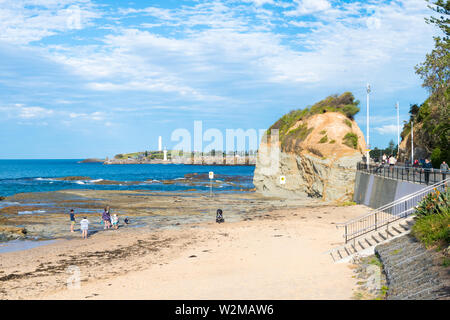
[[435, 70], [433, 119], [391, 147], [414, 110]]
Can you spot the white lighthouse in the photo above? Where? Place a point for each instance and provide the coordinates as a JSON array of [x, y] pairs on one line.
[[165, 154], [160, 143]]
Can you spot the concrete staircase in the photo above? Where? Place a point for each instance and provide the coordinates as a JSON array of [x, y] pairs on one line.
[[380, 225], [365, 245]]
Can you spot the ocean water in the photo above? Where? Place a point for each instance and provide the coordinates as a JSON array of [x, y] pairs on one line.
[[18, 176]]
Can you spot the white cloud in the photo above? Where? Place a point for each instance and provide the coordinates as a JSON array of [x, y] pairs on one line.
[[211, 49], [387, 129], [305, 7], [23, 21], [260, 2], [33, 112], [20, 111]]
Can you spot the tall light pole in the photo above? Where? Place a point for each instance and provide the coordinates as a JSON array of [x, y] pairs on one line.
[[367, 133], [398, 129], [412, 142]]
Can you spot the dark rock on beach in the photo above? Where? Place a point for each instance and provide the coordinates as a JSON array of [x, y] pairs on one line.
[[12, 233]]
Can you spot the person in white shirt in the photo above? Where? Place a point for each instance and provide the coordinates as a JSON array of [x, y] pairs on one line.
[[115, 221], [84, 224]]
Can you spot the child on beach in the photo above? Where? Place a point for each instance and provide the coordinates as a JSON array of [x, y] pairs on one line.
[[84, 225], [219, 216], [115, 221], [72, 219], [106, 218]]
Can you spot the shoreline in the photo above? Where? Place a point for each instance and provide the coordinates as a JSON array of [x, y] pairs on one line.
[[277, 255], [48, 218]]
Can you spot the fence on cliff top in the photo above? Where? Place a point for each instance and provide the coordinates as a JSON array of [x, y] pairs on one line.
[[406, 173]]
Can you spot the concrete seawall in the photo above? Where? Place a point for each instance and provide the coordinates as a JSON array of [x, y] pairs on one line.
[[375, 191]]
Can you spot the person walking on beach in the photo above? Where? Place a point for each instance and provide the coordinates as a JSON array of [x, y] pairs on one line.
[[84, 225], [427, 168], [444, 169], [106, 218], [72, 219]]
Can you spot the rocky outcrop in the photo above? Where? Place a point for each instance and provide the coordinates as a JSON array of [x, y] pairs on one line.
[[11, 233], [317, 155], [420, 152]]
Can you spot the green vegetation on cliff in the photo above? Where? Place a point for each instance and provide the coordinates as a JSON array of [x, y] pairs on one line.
[[433, 219], [351, 140], [345, 104]]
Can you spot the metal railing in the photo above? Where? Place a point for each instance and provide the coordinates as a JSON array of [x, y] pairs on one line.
[[405, 173], [387, 214]]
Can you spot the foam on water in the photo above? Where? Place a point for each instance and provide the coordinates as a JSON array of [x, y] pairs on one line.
[[31, 212]]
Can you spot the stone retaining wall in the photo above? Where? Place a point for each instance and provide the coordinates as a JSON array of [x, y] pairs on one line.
[[410, 271]]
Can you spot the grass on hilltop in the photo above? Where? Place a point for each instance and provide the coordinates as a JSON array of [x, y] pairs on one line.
[[345, 104]]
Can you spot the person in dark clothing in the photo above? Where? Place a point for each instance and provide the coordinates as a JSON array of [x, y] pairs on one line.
[[408, 165], [72, 219], [219, 216], [379, 167], [427, 168], [106, 217]]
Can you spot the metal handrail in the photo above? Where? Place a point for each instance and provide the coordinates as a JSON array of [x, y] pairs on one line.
[[406, 173], [402, 199], [386, 214]]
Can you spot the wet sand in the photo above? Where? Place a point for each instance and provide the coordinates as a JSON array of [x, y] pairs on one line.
[[47, 212], [276, 254]]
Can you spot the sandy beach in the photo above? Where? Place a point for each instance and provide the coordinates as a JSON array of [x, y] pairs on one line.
[[277, 254]]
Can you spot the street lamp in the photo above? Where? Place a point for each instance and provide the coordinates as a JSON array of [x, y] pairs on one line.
[[398, 128], [412, 142], [367, 133]]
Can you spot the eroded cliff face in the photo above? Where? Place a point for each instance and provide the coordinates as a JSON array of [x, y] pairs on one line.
[[420, 152], [318, 163]]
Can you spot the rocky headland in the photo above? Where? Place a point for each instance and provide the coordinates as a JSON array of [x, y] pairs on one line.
[[314, 154]]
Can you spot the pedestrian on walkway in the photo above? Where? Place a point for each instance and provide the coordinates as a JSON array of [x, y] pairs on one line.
[[444, 169], [427, 168]]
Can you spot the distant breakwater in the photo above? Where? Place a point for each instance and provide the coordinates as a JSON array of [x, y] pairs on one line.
[[205, 161]]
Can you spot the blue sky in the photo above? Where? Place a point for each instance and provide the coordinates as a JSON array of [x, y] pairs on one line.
[[95, 78]]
